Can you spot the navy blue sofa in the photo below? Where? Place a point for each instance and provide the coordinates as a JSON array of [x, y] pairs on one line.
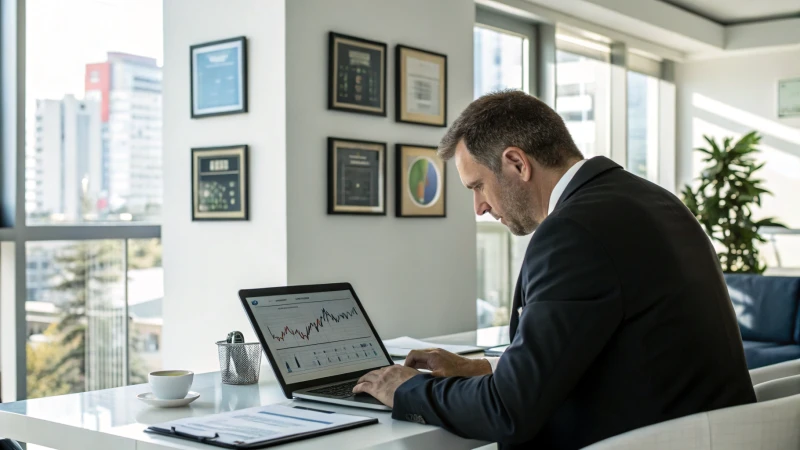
[[769, 317]]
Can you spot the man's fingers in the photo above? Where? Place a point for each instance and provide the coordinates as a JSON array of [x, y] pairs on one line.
[[362, 387], [371, 376], [419, 359]]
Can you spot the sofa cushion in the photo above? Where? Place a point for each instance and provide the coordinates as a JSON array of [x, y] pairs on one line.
[[766, 307], [760, 354]]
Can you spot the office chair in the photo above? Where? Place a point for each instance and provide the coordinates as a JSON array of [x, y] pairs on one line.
[[780, 388], [9, 444]]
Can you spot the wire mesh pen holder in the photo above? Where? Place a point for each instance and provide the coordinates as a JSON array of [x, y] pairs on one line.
[[239, 363]]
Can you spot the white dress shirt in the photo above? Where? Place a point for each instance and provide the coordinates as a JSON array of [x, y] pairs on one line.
[[558, 190]]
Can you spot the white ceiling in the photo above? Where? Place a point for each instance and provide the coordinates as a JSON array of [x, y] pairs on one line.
[[671, 32], [738, 11]]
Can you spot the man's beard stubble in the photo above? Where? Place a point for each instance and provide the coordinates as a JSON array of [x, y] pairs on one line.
[[517, 215]]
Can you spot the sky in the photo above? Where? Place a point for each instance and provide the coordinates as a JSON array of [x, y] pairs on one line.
[[64, 35]]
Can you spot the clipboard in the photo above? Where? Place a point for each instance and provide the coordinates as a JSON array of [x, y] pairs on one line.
[[184, 429]]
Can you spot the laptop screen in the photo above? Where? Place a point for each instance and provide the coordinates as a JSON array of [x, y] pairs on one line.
[[316, 335]]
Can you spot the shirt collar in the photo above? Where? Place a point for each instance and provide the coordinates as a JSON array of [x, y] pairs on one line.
[[562, 185]]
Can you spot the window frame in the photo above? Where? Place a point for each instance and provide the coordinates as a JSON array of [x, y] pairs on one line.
[[15, 233], [502, 23]]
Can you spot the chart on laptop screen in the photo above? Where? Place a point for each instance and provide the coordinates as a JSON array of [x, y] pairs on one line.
[[316, 335]]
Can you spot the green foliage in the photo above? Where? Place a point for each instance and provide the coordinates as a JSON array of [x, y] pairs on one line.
[[144, 253], [45, 375], [724, 199], [87, 270]]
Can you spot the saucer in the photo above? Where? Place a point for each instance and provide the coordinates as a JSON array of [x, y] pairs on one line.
[[151, 400]]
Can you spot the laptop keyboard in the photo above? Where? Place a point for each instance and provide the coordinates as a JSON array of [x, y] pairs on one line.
[[337, 390]]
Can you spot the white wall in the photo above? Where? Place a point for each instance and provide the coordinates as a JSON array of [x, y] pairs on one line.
[[414, 276], [730, 97], [206, 263]]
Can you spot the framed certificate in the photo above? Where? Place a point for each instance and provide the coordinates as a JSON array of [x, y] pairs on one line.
[[219, 77], [356, 75], [219, 183], [421, 179], [789, 98], [356, 177], [421, 92]]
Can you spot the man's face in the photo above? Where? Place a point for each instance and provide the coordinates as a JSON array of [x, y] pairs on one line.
[[506, 196]]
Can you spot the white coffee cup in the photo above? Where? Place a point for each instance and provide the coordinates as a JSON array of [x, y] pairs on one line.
[[171, 384]]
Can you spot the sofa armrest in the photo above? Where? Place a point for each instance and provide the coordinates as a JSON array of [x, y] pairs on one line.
[[775, 371]]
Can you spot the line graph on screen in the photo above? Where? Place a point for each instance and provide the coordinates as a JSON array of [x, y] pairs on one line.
[[313, 323]]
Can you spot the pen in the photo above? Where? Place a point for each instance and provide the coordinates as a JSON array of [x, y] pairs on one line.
[[313, 409]]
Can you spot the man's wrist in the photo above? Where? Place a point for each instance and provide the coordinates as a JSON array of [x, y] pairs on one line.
[[481, 367]]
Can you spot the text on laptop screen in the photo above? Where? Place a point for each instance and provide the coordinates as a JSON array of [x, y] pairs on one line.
[[316, 335]]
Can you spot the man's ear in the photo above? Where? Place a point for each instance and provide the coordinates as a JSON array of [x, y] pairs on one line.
[[515, 159]]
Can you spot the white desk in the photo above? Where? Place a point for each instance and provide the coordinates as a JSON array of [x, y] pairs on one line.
[[115, 419]]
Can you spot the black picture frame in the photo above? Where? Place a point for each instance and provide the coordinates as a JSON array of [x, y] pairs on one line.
[[239, 181], [338, 41], [335, 207], [402, 115], [405, 205], [195, 110]]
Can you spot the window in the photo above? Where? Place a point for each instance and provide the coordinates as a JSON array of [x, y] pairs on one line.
[[500, 60], [92, 295], [583, 86], [80, 172], [493, 274], [643, 125], [75, 314]]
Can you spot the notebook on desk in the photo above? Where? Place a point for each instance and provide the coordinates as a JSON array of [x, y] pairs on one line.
[[402, 346], [260, 427]]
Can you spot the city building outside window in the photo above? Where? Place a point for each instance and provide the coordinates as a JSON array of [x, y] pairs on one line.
[[92, 158]]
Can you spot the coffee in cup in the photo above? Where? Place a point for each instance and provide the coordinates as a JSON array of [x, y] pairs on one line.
[[171, 384]]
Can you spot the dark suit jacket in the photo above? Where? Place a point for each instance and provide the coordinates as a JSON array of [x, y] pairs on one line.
[[625, 322]]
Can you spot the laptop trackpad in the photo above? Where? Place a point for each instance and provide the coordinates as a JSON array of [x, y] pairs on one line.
[[365, 398]]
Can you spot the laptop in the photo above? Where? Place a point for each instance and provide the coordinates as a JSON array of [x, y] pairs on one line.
[[319, 341]]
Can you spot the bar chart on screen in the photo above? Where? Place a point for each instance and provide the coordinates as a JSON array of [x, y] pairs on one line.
[[305, 360]]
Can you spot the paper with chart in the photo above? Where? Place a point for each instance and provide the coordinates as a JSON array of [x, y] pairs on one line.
[[399, 347], [258, 424], [317, 335]]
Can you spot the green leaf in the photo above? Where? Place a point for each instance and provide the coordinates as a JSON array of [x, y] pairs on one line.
[[724, 199]]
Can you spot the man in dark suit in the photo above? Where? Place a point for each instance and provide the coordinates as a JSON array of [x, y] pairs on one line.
[[621, 317]]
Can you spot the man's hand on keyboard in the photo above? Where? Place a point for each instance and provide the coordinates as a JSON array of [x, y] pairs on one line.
[[442, 363], [382, 383]]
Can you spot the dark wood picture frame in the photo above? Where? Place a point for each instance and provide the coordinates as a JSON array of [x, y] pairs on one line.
[[402, 116], [404, 205], [333, 90], [243, 109], [244, 181], [332, 183]]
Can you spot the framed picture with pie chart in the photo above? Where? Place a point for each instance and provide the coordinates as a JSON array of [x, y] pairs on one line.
[[421, 179]]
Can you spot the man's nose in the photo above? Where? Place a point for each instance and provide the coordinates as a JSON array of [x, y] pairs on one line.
[[481, 207]]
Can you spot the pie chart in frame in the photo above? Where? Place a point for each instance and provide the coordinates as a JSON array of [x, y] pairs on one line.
[[424, 182]]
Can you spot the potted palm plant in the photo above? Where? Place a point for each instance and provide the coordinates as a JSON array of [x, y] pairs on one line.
[[723, 201]]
